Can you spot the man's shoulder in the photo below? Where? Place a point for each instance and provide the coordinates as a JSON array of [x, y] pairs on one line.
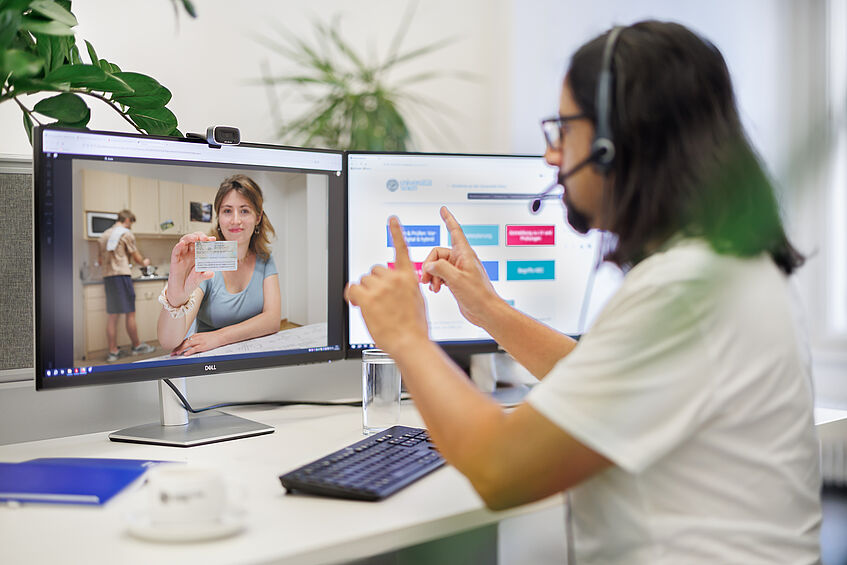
[[684, 260]]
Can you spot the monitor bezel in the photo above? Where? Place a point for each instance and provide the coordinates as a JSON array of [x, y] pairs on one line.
[[337, 214], [459, 351]]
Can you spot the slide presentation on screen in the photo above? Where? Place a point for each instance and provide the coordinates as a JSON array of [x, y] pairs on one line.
[[535, 261]]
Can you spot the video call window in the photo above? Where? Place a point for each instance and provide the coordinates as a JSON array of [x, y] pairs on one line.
[[93, 249]]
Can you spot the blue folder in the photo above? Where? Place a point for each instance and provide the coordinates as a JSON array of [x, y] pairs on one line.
[[69, 480]]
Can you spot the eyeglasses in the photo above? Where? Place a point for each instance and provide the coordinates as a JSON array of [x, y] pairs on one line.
[[552, 128]]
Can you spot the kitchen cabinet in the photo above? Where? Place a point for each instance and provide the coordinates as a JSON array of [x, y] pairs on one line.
[[170, 207], [155, 202], [200, 194], [104, 192], [144, 203], [147, 309]]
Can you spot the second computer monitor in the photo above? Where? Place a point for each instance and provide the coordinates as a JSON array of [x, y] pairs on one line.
[[534, 260]]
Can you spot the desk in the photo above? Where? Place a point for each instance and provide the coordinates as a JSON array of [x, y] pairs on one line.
[[279, 527]]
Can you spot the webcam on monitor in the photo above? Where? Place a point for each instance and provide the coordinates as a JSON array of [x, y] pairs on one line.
[[223, 135], [216, 136]]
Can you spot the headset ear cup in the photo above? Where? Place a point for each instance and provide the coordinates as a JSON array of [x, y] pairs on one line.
[[603, 154]]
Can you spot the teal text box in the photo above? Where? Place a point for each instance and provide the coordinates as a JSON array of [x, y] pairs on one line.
[[479, 234], [530, 270]]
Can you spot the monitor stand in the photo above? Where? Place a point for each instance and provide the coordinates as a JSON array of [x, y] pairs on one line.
[[177, 429]]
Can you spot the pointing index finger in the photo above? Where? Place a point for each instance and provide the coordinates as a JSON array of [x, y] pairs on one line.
[[456, 233], [401, 251]]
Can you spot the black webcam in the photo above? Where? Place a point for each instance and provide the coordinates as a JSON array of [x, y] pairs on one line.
[[217, 136], [223, 135]]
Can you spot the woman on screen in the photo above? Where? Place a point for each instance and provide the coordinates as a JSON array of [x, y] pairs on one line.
[[205, 310]]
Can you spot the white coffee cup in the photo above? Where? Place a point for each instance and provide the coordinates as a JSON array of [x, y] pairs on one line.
[[185, 493]]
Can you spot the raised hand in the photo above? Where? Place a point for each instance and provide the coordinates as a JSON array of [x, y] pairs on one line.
[[183, 279], [391, 300], [462, 272]]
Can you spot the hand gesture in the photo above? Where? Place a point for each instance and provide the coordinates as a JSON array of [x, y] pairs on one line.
[[183, 279], [197, 343], [462, 272], [391, 300]]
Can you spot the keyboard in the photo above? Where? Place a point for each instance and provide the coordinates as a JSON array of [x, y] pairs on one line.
[[371, 469]]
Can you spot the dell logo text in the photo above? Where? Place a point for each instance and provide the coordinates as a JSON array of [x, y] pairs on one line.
[[211, 368]]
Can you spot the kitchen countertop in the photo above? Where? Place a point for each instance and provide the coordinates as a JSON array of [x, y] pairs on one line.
[[134, 279]]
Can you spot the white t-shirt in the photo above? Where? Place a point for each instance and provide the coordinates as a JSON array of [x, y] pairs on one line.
[[694, 382]]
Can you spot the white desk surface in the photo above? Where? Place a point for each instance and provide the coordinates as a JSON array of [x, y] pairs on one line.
[[279, 527]]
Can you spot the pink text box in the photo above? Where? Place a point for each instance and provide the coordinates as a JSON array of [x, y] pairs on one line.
[[418, 268], [530, 235]]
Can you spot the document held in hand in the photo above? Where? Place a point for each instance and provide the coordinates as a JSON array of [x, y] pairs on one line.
[[215, 256]]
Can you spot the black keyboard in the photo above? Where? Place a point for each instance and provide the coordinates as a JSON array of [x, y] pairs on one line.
[[371, 469]]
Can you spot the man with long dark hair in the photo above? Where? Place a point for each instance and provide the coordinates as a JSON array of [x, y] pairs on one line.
[[681, 424]]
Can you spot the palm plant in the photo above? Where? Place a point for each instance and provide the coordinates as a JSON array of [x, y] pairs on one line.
[[353, 105]]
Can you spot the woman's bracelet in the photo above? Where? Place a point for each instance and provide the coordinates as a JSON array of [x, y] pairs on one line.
[[179, 311]]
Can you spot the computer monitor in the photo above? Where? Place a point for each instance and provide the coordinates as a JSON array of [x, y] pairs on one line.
[[534, 259], [84, 179]]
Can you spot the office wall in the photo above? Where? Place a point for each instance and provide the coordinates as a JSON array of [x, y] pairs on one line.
[[212, 65]]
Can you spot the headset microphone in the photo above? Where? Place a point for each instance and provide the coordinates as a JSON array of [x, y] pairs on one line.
[[603, 145], [596, 154]]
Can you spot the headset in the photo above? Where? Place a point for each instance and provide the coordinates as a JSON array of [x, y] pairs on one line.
[[603, 146], [602, 153]]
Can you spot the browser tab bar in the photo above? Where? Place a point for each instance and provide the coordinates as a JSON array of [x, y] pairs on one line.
[[106, 145]]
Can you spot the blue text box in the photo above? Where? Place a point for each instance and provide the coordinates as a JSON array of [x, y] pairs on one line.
[[479, 234], [418, 236], [493, 270], [530, 270]]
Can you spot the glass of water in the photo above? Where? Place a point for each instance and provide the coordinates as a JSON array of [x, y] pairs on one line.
[[380, 391]]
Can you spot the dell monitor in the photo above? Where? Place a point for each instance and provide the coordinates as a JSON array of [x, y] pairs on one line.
[[515, 225], [86, 181]]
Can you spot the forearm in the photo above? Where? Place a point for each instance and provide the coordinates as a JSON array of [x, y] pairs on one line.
[[534, 345], [462, 421], [171, 331], [259, 325]]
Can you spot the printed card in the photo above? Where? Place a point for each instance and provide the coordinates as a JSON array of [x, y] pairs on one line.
[[215, 256]]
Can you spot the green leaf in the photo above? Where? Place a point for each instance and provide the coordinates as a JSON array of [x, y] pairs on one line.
[[109, 67], [149, 94], [37, 25], [53, 11], [28, 126], [77, 75], [19, 63], [93, 54], [160, 121], [141, 84], [28, 86], [54, 49], [176, 133], [113, 84], [189, 8], [9, 23], [76, 125], [75, 58], [150, 101], [14, 5], [65, 107]]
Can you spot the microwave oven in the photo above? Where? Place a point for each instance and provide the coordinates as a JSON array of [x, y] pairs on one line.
[[98, 222]]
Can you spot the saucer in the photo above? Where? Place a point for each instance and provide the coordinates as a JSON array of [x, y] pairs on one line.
[[142, 526]]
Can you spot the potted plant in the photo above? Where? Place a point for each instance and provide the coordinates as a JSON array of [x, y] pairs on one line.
[[39, 54], [354, 104]]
